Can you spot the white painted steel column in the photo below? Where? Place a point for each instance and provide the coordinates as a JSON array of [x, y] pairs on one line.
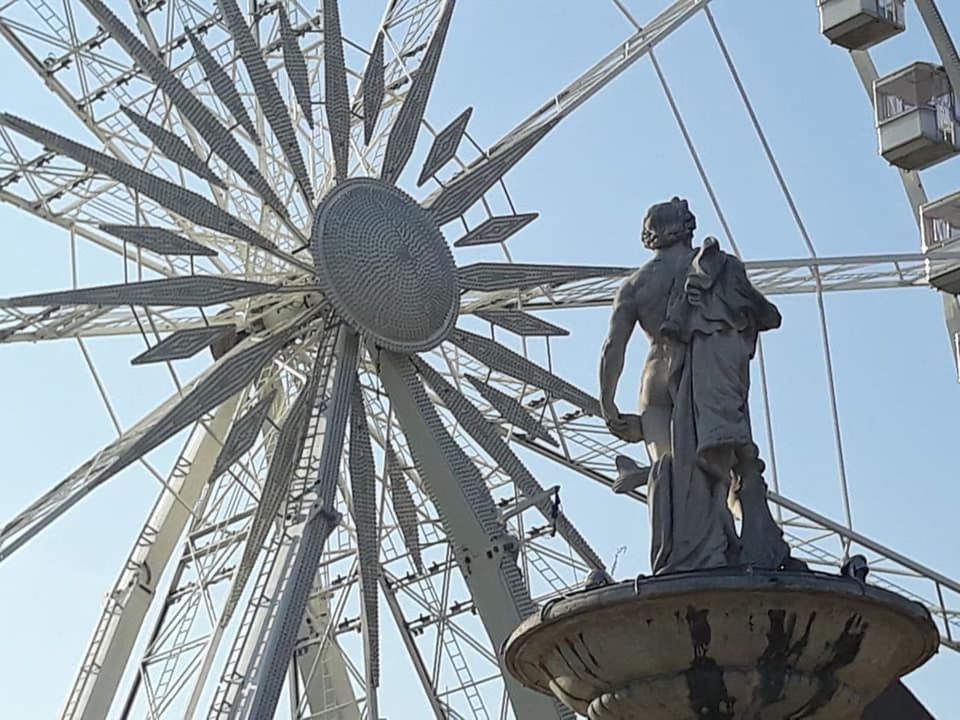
[[108, 654]]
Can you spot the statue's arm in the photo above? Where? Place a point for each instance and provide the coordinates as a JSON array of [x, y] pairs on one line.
[[622, 322]]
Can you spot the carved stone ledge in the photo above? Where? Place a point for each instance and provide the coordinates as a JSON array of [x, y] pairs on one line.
[[722, 645]]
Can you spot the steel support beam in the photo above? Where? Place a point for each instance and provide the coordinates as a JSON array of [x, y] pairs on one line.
[[108, 654], [480, 556]]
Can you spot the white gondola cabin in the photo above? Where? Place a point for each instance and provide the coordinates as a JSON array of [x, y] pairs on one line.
[[861, 24], [916, 117], [940, 223]]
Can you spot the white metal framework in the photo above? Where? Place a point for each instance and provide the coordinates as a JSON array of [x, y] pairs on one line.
[[333, 478]]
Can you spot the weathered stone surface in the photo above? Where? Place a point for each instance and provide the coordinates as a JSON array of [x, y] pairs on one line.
[[722, 645]]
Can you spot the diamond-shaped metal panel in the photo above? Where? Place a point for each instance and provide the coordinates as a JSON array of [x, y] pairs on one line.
[[521, 323], [295, 64], [489, 277], [404, 508], [372, 88], [182, 344], [444, 146], [466, 188], [243, 433], [496, 229]]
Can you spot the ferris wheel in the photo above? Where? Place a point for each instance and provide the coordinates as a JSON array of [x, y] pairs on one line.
[[354, 494]]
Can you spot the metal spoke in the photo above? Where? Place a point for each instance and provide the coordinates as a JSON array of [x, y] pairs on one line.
[[202, 119], [363, 508], [335, 82], [403, 136], [271, 102]]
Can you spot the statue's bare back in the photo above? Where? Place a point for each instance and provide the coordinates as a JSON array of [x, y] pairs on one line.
[[701, 316]]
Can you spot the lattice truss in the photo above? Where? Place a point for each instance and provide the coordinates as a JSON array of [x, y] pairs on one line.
[[335, 476]]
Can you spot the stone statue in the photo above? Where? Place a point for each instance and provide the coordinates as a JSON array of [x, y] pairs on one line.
[[702, 317]]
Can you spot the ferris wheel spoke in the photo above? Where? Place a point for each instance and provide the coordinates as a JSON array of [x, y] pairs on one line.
[[173, 147], [222, 380], [270, 100], [319, 660], [603, 72], [337, 101], [190, 291], [504, 360], [89, 321], [372, 88], [501, 287], [184, 202], [199, 116], [133, 593], [404, 507], [222, 86], [321, 520], [295, 64], [511, 410], [469, 516], [158, 240], [403, 135], [363, 493], [585, 444], [185, 644], [488, 277], [476, 425]]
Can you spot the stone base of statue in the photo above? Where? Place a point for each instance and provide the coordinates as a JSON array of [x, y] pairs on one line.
[[722, 645]]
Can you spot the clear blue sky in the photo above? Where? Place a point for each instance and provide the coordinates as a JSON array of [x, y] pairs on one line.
[[591, 181]]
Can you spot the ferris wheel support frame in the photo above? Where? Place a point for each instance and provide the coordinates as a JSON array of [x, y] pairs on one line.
[[127, 604]]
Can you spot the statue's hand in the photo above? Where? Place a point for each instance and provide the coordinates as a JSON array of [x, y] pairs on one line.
[[694, 295], [626, 427]]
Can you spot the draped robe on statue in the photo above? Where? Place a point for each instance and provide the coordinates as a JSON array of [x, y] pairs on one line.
[[714, 338]]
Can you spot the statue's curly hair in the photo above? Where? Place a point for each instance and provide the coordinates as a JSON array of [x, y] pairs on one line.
[[669, 223]]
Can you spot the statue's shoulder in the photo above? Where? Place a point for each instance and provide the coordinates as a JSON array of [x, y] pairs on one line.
[[633, 284]]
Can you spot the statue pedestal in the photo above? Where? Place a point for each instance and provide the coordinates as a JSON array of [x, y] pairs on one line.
[[722, 645]]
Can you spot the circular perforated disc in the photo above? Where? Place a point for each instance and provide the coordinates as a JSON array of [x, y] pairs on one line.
[[384, 265]]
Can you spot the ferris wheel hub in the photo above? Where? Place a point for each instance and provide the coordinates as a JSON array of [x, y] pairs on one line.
[[385, 266]]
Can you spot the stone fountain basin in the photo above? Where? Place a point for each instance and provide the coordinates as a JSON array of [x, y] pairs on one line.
[[722, 645]]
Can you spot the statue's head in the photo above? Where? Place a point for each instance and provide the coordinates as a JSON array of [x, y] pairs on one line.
[[667, 224]]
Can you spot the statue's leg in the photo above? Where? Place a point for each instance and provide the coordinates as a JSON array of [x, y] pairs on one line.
[[763, 545], [656, 430]]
